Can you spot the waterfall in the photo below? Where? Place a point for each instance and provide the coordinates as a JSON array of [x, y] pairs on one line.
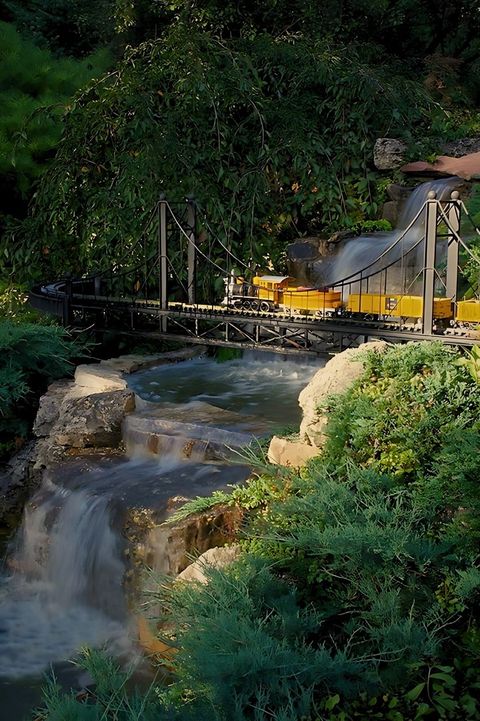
[[65, 589], [357, 253]]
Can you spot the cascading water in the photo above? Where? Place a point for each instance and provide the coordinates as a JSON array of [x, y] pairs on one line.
[[66, 587], [63, 583], [358, 253]]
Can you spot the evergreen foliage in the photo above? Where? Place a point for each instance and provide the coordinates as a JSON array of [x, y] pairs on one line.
[[31, 356]]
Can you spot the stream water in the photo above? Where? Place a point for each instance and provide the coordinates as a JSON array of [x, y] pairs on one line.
[[61, 586]]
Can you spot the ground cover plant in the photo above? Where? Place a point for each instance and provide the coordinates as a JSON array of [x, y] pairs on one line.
[[356, 595]]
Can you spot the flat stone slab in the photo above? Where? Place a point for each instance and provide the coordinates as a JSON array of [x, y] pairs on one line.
[[192, 430], [467, 167]]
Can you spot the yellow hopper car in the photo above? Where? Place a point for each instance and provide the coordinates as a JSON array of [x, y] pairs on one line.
[[396, 306]]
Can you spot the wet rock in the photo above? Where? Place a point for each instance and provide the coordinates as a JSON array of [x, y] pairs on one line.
[[295, 454], [307, 258], [336, 377], [92, 421], [17, 482], [389, 153], [390, 212], [213, 558], [134, 362]]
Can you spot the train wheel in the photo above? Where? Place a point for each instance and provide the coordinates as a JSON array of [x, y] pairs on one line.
[[237, 304], [254, 304], [246, 305], [264, 306]]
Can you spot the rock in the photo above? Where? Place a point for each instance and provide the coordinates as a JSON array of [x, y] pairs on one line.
[[168, 549], [15, 487], [461, 147], [98, 379], [134, 362], [308, 258], [49, 407], [336, 377], [389, 153], [390, 212], [398, 193], [283, 452], [467, 167], [213, 558], [92, 421]]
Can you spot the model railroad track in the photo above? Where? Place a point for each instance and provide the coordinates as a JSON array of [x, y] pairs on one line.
[[292, 324]]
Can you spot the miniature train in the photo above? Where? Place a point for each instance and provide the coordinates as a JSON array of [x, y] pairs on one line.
[[278, 293]]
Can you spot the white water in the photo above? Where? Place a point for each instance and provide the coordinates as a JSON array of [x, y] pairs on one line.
[[65, 591], [358, 253]]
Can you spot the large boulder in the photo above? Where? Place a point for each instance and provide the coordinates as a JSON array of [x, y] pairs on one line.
[[336, 377], [389, 153], [462, 146]]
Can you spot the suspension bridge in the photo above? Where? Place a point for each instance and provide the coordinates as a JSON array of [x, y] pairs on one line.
[[413, 290]]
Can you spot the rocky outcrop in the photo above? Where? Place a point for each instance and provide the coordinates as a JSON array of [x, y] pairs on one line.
[[389, 153], [85, 413], [463, 146], [336, 377], [192, 430], [169, 548]]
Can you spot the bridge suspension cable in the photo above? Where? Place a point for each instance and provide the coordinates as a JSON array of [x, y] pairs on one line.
[[199, 250]]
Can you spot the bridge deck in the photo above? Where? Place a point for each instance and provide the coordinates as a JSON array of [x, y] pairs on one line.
[[218, 325]]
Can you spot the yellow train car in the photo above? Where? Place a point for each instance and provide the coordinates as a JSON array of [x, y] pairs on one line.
[[397, 306], [311, 300], [283, 292], [468, 311]]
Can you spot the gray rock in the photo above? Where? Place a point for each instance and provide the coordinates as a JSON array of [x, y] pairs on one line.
[[49, 407], [398, 192], [389, 153], [92, 421]]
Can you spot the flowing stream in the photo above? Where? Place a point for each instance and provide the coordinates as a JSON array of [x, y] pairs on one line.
[[62, 584]]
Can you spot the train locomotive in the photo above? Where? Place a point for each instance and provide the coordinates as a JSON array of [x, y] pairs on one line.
[[282, 294]]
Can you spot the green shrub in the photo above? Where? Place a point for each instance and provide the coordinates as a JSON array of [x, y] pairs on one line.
[[30, 357]]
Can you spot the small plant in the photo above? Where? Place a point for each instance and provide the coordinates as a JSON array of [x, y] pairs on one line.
[[471, 361]]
